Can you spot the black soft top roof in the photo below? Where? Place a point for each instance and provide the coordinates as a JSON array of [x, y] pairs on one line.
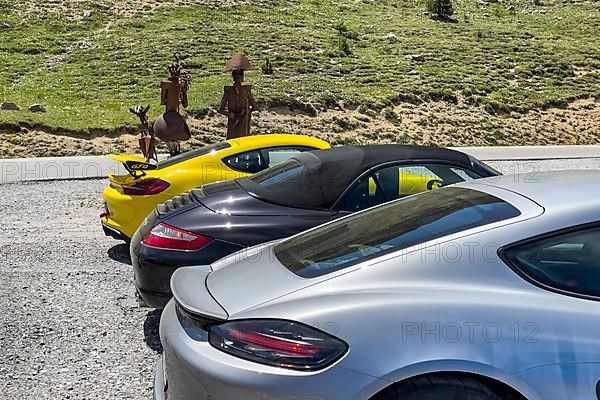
[[316, 179]]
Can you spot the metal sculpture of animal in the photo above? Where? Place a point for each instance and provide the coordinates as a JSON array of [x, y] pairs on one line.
[[146, 139]]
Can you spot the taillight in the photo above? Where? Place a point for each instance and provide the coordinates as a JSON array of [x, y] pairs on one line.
[[283, 344], [146, 187], [167, 237]]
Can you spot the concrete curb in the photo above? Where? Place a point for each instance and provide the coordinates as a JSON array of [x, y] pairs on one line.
[[532, 152], [58, 168], [94, 167], [53, 168]]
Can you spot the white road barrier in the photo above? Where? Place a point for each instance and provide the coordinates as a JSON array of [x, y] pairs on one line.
[[510, 159], [49, 168], [500, 153]]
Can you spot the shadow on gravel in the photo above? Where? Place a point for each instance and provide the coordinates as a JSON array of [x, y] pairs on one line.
[[151, 331], [120, 253]]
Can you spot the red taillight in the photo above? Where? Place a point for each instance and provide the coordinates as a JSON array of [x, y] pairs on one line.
[[146, 187], [283, 344], [167, 237]]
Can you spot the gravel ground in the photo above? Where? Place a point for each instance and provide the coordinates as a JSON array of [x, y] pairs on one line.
[[69, 324]]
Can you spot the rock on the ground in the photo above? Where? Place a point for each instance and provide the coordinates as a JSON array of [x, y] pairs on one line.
[[84, 45], [415, 57], [87, 13], [5, 25], [10, 106], [392, 38], [37, 108]]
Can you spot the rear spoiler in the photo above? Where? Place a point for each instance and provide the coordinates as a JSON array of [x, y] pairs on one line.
[[190, 292], [135, 165]]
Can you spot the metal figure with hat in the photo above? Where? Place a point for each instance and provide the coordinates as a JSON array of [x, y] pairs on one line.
[[170, 126], [237, 102]]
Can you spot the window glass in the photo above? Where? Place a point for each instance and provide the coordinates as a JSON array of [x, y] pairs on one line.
[[275, 156], [188, 155], [399, 181], [463, 174], [258, 160], [390, 227], [281, 173], [569, 261], [249, 162]]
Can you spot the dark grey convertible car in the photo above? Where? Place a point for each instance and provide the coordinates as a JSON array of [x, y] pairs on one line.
[[206, 224]]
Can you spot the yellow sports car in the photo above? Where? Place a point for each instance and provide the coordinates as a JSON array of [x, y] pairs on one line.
[[130, 198]]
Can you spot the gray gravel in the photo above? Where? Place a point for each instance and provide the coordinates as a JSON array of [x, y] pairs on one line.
[[69, 325]]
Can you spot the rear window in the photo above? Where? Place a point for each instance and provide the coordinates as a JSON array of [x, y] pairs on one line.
[[390, 227], [280, 173], [188, 155]]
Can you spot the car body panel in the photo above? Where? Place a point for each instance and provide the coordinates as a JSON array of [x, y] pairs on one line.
[[228, 198], [232, 213], [260, 278], [449, 304], [126, 212], [250, 381]]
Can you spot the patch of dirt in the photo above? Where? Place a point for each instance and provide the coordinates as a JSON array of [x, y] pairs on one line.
[[76, 10], [438, 123], [149, 6]]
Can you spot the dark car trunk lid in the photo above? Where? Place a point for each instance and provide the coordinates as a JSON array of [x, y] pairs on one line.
[[231, 198]]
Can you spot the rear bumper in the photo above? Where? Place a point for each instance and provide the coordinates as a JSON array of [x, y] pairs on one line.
[[196, 370], [160, 386], [126, 213], [114, 233], [153, 268], [154, 288]]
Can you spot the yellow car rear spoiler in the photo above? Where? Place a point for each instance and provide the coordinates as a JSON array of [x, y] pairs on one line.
[[135, 165]]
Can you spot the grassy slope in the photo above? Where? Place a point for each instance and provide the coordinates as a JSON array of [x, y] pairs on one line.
[[505, 60]]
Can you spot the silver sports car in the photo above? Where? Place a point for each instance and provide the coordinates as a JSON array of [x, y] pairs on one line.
[[485, 290]]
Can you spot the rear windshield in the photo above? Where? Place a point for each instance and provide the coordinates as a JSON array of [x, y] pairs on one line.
[[294, 184], [283, 172], [390, 227], [188, 155]]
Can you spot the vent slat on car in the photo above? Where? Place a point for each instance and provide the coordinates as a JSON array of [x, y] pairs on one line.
[[175, 203], [198, 193]]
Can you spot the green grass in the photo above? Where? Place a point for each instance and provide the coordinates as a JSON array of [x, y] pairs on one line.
[[322, 52]]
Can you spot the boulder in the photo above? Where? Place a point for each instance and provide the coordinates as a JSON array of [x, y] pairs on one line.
[[392, 38], [415, 57], [84, 45], [9, 106], [37, 108]]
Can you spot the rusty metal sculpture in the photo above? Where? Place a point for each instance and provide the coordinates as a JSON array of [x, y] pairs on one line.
[[170, 126], [146, 139], [237, 102]]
